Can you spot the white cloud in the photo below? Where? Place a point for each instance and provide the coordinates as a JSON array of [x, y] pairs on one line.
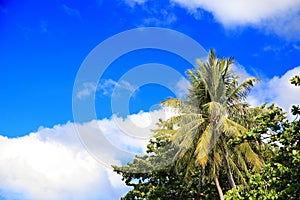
[[281, 17], [155, 14], [240, 69], [160, 21], [132, 3], [181, 88], [278, 90], [138, 125], [107, 86], [53, 164], [286, 25], [87, 90], [241, 12]]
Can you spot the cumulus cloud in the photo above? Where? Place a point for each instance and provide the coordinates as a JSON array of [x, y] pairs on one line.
[[281, 17], [278, 90], [240, 12], [139, 125], [52, 163]]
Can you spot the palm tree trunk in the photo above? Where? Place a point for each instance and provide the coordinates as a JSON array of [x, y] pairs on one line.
[[227, 167], [221, 195]]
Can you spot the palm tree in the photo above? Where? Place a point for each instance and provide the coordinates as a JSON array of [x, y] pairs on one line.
[[214, 112]]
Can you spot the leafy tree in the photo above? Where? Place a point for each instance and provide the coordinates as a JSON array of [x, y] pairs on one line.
[[280, 178], [295, 80], [150, 180], [295, 108]]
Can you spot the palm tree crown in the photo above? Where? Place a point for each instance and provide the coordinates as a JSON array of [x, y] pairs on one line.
[[214, 112]]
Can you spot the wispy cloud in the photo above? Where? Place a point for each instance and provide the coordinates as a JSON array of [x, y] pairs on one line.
[[132, 3], [107, 87], [43, 26], [165, 18], [297, 47], [71, 11], [87, 90], [154, 12], [286, 24]]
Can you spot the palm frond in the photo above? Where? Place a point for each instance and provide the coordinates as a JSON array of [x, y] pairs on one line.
[[241, 91], [233, 129], [251, 156], [238, 174], [205, 144], [173, 103]]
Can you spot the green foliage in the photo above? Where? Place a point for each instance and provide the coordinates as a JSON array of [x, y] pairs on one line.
[[295, 110], [295, 80], [280, 178], [151, 182], [259, 190]]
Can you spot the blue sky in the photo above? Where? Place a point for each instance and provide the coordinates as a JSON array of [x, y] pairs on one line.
[[43, 44]]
